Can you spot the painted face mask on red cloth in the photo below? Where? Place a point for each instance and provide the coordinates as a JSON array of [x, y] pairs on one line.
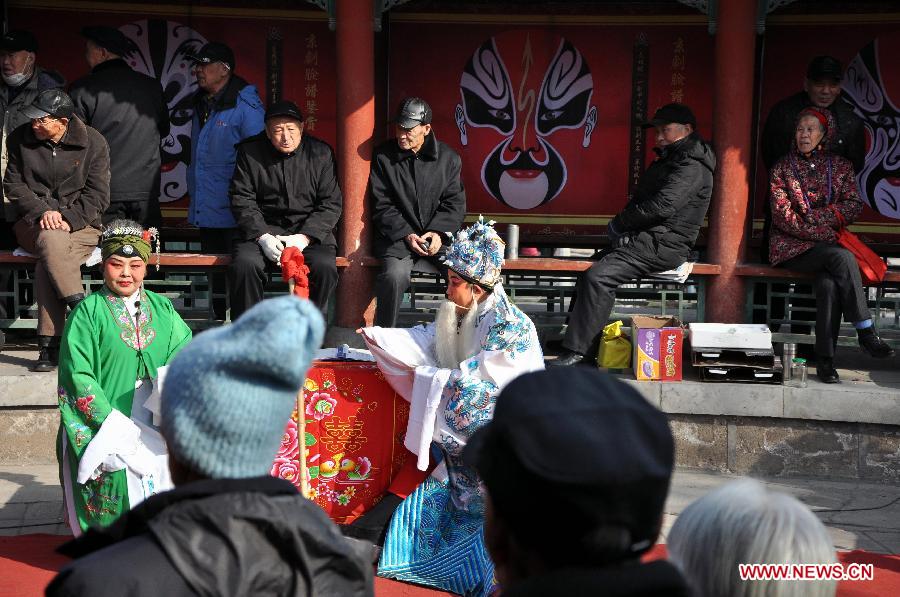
[[526, 106], [868, 84]]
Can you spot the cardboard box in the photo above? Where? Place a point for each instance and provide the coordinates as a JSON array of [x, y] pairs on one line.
[[740, 336], [657, 347]]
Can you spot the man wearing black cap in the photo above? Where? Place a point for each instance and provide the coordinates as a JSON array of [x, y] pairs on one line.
[[822, 89], [418, 202], [603, 456], [22, 81], [284, 193], [227, 110], [654, 233], [58, 181], [128, 109]]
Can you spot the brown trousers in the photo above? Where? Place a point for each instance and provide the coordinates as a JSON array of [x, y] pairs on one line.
[[57, 274]]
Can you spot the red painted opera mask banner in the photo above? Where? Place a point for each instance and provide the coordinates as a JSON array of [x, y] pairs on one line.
[[872, 85], [525, 114]]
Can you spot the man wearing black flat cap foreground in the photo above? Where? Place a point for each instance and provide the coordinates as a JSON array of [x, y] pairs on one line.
[[602, 455], [284, 193], [128, 109], [418, 202], [58, 180], [654, 233]]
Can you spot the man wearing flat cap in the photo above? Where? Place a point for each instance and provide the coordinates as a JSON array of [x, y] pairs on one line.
[[451, 372], [284, 193], [227, 110], [603, 457], [654, 233], [58, 180], [821, 89], [128, 109], [418, 202], [22, 81]]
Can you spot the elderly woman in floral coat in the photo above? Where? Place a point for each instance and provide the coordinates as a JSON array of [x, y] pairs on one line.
[[813, 194]]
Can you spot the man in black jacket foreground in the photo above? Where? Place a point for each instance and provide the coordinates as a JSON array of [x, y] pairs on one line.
[[128, 109], [418, 202], [560, 430], [654, 233], [284, 193], [227, 529]]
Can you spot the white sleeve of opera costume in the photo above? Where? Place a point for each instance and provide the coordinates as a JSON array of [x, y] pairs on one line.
[[398, 351], [117, 435]]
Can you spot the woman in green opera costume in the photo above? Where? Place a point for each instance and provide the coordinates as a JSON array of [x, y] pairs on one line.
[[111, 454]]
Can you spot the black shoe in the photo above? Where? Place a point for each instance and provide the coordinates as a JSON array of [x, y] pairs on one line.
[[73, 300], [871, 343], [566, 359], [48, 358], [826, 372]]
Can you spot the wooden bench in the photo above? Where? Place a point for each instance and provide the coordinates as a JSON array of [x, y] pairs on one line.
[[887, 299], [184, 278], [542, 285]]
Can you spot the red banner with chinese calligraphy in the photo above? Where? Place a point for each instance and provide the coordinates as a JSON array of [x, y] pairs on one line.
[[355, 425]]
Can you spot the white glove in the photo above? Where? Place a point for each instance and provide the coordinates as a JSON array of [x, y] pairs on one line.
[[301, 241], [271, 247]]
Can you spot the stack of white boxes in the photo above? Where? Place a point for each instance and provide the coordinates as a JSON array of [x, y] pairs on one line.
[[734, 353]]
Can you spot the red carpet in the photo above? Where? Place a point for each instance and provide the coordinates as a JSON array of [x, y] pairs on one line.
[[28, 563]]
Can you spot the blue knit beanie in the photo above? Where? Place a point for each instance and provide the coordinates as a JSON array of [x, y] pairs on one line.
[[228, 394]]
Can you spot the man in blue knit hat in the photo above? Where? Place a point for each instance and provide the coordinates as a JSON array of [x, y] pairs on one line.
[[228, 528]]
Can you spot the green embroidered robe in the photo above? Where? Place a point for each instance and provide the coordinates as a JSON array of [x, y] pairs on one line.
[[99, 363]]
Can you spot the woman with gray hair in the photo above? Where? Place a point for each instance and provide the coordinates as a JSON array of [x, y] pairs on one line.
[[743, 522]]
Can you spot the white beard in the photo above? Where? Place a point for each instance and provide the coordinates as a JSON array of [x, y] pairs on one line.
[[454, 344]]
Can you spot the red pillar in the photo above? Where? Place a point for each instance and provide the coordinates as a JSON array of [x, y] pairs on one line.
[[732, 114], [355, 125]]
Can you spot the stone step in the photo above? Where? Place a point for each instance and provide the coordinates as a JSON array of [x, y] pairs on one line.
[[843, 431]]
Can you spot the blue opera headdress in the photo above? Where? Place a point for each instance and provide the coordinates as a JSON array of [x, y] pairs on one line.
[[477, 254]]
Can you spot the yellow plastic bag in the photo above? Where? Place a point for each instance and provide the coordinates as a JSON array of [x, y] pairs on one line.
[[615, 349]]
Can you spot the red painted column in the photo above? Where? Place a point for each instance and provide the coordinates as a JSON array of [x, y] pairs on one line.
[[355, 125], [732, 114]]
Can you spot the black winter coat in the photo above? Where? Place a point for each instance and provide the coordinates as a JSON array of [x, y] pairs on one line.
[[286, 194], [658, 578], [71, 177], [781, 125], [672, 196], [128, 109], [11, 106], [220, 538], [414, 193]]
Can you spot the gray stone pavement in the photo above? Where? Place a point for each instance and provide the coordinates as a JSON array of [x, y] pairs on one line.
[[858, 515]]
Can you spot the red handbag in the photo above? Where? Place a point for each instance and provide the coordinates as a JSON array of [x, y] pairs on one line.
[[871, 267]]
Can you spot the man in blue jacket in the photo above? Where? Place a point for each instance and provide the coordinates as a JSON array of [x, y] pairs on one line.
[[227, 110]]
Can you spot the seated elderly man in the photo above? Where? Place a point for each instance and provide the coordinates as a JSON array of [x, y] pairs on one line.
[[577, 467], [451, 372], [57, 178], [654, 233], [284, 193], [227, 528]]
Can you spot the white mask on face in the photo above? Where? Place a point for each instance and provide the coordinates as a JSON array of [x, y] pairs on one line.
[[15, 80], [18, 78]]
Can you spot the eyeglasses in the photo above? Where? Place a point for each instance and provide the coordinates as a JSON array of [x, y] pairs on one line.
[[44, 120]]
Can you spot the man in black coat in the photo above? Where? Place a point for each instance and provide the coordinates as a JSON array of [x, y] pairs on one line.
[[228, 528], [284, 193], [655, 232], [822, 89], [128, 109], [418, 203], [58, 180], [607, 504]]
